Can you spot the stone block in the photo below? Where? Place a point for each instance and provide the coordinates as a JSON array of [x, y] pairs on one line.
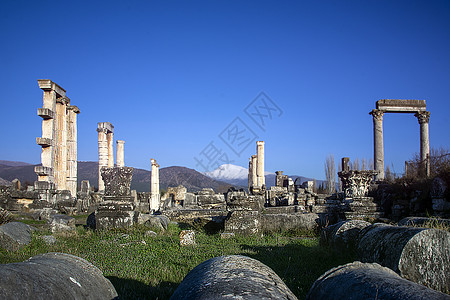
[[206, 191], [289, 222], [115, 214], [187, 238], [117, 180], [243, 222], [344, 235], [48, 239], [59, 223], [190, 200], [15, 235], [233, 277], [227, 235]]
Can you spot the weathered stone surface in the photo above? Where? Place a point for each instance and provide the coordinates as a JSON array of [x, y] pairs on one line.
[[243, 222], [48, 239], [368, 281], [150, 233], [417, 221], [288, 222], [115, 214], [117, 180], [15, 235], [232, 277], [418, 254], [343, 235], [61, 223], [54, 276], [187, 238], [159, 222], [227, 235]]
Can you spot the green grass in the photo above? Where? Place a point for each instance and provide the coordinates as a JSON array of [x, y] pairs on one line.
[[151, 268]]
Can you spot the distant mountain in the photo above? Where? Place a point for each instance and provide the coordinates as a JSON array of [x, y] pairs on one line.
[[238, 176], [170, 176], [4, 182], [13, 163]]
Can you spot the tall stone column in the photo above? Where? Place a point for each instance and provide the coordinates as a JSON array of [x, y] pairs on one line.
[[424, 119], [110, 142], [47, 112], [254, 174], [260, 163], [154, 192], [250, 169], [72, 162], [60, 171], [120, 159], [378, 148]]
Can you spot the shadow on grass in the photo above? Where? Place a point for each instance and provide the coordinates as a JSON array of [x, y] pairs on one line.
[[133, 289], [296, 264]]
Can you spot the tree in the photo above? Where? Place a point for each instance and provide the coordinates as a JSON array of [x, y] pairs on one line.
[[330, 174]]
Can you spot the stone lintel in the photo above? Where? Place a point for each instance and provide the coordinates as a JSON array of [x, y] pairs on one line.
[[44, 185], [44, 142], [401, 105], [105, 125], [48, 85], [43, 171], [45, 113]]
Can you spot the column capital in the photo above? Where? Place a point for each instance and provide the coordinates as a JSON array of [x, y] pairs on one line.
[[377, 114], [423, 117], [104, 130]]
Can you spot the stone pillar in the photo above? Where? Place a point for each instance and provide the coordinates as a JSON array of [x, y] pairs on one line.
[[378, 149], [61, 143], [103, 150], [250, 169], [254, 175], [154, 181], [260, 163], [48, 113], [72, 162], [120, 153], [424, 119], [110, 140]]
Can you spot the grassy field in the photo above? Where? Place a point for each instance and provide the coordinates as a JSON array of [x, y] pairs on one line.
[[142, 267]]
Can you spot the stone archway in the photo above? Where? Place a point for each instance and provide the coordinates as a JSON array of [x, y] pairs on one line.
[[418, 107]]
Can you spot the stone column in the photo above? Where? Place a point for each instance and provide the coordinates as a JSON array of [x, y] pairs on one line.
[[47, 112], [260, 163], [424, 119], [154, 181], [120, 154], [72, 163], [254, 174], [250, 169], [110, 142], [60, 171], [378, 149]]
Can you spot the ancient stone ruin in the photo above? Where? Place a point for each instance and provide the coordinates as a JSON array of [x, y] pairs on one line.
[[418, 108]]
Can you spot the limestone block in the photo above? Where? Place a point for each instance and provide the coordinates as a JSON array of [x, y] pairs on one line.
[[243, 222], [232, 277], [117, 181], [287, 222], [15, 235], [190, 200], [48, 239], [61, 223], [187, 238], [115, 214], [417, 254], [368, 281], [344, 235], [206, 191], [227, 235], [54, 276], [159, 222]]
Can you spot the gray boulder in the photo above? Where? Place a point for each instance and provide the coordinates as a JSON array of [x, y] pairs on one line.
[[15, 235], [232, 277], [368, 281], [343, 235], [54, 276]]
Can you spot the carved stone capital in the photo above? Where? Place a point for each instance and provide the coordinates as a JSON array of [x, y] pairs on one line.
[[377, 114], [423, 117]]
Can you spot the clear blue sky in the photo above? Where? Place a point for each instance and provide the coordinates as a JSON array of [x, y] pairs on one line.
[[172, 76]]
